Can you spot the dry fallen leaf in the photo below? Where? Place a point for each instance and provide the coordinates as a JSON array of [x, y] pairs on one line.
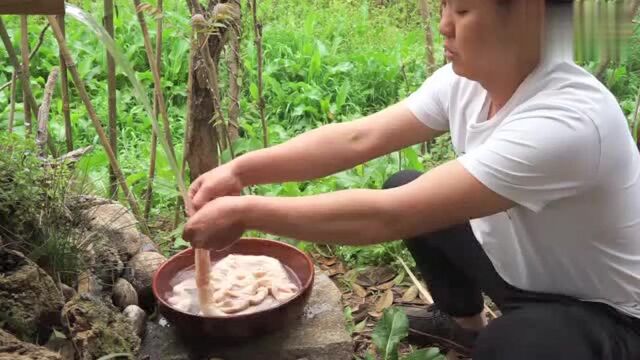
[[386, 286], [411, 294], [376, 315], [385, 301], [359, 290], [360, 326]]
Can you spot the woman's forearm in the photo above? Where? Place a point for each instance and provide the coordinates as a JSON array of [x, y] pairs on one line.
[[351, 217]]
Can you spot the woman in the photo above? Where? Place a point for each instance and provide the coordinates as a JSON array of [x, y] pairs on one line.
[[541, 209]]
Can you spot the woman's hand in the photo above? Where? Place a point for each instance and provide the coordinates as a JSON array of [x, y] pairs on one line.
[[219, 182], [217, 225]]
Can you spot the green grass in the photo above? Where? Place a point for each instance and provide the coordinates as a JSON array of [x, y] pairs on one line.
[[325, 61]]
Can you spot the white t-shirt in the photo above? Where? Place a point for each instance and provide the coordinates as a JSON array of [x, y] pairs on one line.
[[562, 150]]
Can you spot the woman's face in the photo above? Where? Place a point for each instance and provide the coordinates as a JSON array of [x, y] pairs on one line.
[[484, 38]]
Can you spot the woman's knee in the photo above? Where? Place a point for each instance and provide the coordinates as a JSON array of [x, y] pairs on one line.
[[541, 332], [401, 178]]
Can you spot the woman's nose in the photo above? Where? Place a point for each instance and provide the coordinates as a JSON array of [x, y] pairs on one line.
[[447, 28]]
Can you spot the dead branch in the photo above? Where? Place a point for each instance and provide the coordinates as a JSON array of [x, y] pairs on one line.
[[43, 112], [82, 91]]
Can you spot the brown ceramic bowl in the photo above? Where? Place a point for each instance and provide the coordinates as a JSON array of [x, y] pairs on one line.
[[236, 327]]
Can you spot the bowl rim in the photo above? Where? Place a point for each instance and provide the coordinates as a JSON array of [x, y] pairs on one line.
[[304, 287]]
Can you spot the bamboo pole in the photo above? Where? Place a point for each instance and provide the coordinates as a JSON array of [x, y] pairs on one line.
[[154, 139], [212, 75], [157, 82], [111, 91], [187, 126], [257, 28], [12, 101], [82, 91], [13, 57], [234, 70], [64, 84], [24, 49], [43, 113]]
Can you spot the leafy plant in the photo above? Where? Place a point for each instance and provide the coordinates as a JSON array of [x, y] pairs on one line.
[[390, 331]]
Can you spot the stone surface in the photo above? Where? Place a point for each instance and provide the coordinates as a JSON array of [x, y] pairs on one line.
[[139, 273], [124, 294], [11, 348], [118, 224], [98, 329], [319, 335], [30, 302], [67, 291], [138, 318]]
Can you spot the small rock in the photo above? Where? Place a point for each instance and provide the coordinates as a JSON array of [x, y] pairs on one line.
[[107, 265], [98, 329], [59, 344], [138, 318], [140, 274], [124, 294], [88, 284], [118, 224], [67, 291], [11, 348], [148, 245], [30, 301]]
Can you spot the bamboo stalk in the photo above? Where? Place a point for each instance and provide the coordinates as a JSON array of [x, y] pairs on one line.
[[82, 91], [24, 49], [257, 28], [154, 139], [13, 57], [43, 113], [234, 86], [111, 91], [212, 75], [187, 126], [157, 82], [12, 101], [64, 84]]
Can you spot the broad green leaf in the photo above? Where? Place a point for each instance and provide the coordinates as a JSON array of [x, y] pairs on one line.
[[425, 354], [392, 328]]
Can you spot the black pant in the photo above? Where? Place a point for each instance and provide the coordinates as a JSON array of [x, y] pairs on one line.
[[533, 326]]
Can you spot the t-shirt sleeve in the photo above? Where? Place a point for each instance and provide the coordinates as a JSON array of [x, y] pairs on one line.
[[430, 103], [538, 157]]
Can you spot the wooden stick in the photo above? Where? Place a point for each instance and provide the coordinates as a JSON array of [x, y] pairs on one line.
[[157, 82], [257, 28], [82, 91], [64, 84], [12, 101], [24, 49], [424, 291], [154, 139], [111, 91], [43, 112], [13, 57]]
